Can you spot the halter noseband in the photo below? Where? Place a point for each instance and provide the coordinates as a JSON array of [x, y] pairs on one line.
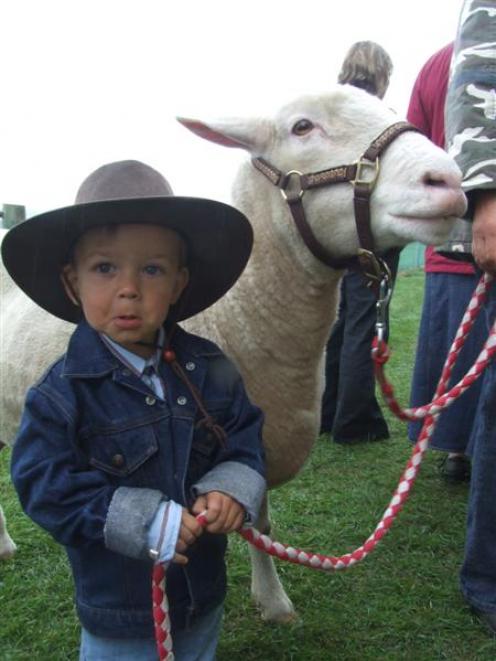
[[362, 175]]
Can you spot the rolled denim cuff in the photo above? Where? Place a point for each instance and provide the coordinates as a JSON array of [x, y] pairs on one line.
[[237, 480], [129, 518]]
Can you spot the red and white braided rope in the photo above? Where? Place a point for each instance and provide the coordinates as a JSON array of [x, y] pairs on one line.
[[161, 618], [443, 399], [429, 411]]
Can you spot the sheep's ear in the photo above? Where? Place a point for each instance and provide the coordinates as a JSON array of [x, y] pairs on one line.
[[240, 133]]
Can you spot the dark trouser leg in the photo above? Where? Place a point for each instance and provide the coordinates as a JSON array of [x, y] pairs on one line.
[[332, 359], [350, 383], [478, 574], [358, 414]]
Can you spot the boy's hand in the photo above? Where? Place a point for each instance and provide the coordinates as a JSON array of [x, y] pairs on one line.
[[223, 513], [188, 533]]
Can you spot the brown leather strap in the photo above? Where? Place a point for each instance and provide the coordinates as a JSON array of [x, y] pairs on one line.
[[363, 188], [293, 185], [361, 204], [337, 175], [310, 240], [294, 199], [273, 174], [382, 141]]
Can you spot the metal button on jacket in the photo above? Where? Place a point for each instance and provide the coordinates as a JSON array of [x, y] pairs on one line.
[[182, 400], [118, 461], [150, 400], [190, 366]]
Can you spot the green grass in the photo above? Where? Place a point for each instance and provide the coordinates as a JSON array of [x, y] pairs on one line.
[[401, 603]]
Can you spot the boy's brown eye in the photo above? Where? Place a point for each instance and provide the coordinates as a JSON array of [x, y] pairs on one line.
[[302, 127]]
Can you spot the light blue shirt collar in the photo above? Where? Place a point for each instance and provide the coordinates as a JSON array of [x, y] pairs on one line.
[[137, 364]]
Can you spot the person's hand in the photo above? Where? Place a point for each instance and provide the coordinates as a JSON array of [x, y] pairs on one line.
[[484, 231], [222, 513], [188, 534]]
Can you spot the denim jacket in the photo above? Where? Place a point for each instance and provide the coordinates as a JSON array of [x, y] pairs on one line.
[[96, 454]]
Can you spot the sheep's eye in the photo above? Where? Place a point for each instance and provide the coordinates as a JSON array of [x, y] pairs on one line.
[[302, 126]]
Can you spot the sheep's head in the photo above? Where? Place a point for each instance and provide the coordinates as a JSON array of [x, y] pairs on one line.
[[418, 192]]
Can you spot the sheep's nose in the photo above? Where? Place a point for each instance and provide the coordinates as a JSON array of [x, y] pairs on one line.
[[445, 187], [442, 179]]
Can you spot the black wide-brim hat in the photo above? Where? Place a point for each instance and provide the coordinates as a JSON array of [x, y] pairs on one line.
[[218, 237]]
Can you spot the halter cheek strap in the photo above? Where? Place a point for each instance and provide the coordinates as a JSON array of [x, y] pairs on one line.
[[362, 175]]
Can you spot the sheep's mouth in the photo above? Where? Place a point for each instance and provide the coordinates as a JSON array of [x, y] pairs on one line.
[[439, 205], [426, 218]]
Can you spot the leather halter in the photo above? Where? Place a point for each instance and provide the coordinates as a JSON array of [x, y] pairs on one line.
[[362, 175]]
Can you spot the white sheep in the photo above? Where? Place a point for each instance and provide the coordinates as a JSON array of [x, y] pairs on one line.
[[7, 546], [21, 364], [274, 323]]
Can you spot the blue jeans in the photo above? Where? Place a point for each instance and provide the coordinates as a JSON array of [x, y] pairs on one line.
[[446, 296], [198, 643], [478, 573]]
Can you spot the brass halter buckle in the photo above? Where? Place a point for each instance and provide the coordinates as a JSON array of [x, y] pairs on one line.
[[371, 178]]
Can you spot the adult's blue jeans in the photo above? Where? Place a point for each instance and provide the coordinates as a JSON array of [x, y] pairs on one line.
[[198, 643], [478, 573], [446, 296]]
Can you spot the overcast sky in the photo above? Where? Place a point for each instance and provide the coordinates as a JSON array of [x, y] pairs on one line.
[[86, 82]]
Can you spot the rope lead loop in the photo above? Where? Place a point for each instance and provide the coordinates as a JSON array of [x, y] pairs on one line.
[[207, 420]]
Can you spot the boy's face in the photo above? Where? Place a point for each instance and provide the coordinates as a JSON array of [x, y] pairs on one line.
[[125, 278]]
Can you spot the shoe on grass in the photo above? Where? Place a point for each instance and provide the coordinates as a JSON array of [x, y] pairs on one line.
[[370, 437], [455, 468], [487, 618]]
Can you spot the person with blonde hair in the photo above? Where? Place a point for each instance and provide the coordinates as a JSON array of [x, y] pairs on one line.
[[368, 66], [350, 410]]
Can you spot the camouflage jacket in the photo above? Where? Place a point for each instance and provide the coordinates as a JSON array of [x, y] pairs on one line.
[[471, 106]]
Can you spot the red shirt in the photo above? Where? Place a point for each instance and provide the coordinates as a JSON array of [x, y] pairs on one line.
[[426, 112]]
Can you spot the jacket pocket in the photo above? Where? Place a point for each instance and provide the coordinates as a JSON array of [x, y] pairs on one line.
[[121, 453]]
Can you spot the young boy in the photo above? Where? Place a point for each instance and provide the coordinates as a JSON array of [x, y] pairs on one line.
[[140, 426]]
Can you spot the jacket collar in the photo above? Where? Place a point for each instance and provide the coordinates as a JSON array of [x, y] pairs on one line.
[[87, 356]]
